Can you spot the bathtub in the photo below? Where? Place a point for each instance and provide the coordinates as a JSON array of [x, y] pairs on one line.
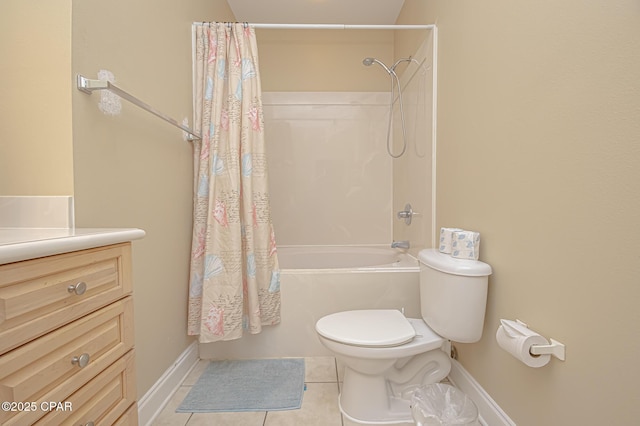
[[319, 280], [346, 258]]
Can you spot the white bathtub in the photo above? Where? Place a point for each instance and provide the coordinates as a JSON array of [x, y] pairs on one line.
[[319, 280], [354, 258]]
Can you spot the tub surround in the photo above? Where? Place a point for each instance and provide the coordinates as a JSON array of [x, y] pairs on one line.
[[327, 161]]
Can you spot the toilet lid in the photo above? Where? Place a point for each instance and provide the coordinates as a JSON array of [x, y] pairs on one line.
[[373, 328]]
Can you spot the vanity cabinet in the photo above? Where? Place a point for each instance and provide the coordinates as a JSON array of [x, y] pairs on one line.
[[67, 340]]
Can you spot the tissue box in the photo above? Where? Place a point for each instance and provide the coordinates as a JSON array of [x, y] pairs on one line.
[[465, 245], [446, 239]]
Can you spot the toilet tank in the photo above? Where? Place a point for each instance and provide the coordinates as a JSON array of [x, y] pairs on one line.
[[453, 295]]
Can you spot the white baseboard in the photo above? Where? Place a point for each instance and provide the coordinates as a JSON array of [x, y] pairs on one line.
[[490, 413], [150, 405]]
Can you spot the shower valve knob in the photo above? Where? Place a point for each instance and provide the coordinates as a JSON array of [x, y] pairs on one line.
[[406, 214]]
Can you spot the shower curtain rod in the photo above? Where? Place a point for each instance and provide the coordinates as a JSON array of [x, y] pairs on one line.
[[333, 26], [87, 85]]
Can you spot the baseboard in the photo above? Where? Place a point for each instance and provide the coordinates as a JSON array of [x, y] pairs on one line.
[[150, 405], [490, 413]]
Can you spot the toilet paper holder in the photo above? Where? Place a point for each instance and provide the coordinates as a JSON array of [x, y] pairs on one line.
[[556, 348]]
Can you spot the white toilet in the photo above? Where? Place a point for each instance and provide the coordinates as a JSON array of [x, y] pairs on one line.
[[386, 355]]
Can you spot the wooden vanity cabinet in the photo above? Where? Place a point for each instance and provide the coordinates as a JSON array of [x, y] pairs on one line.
[[66, 339]]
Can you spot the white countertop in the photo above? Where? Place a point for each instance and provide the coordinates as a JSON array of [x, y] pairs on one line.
[[29, 243]]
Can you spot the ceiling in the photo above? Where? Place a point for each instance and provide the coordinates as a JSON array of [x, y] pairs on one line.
[[353, 12]]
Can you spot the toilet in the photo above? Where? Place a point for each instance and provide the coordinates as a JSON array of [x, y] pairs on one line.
[[386, 355]]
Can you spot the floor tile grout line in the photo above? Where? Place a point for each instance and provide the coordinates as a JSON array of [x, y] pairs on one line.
[[266, 416]]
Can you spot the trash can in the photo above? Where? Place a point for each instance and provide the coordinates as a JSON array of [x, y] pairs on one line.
[[442, 404]]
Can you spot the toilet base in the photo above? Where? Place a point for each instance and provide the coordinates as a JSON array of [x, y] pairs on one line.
[[374, 405], [378, 399], [401, 419]]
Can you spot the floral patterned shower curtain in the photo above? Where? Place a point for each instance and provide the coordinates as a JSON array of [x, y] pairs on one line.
[[234, 278]]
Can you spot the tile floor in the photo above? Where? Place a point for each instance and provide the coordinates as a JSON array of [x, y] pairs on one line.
[[319, 404]]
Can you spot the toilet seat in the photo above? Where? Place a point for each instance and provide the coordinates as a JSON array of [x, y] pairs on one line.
[[373, 328]]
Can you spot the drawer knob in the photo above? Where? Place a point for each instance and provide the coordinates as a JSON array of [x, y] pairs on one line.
[[81, 360], [78, 288]]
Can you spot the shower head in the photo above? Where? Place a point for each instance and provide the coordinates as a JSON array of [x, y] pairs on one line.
[[394, 79], [391, 70], [369, 61]]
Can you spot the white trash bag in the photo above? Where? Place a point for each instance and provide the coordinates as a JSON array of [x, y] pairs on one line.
[[443, 405]]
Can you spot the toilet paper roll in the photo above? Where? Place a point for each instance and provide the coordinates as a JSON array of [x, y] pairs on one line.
[[465, 244], [446, 239], [518, 339]]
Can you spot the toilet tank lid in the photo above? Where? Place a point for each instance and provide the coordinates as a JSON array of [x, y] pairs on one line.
[[445, 263]]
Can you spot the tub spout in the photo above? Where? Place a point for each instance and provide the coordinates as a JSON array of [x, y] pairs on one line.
[[400, 244]]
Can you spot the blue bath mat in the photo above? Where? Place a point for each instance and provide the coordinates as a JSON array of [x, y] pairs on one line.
[[247, 385]]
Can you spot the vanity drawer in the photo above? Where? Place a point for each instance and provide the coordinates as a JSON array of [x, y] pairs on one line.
[[39, 295], [103, 401], [44, 369], [129, 418]]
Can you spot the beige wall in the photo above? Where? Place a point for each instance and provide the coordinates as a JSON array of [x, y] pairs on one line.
[[35, 98], [134, 170], [538, 150], [323, 60]]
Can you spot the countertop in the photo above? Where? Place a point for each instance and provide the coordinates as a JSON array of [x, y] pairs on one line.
[[29, 243]]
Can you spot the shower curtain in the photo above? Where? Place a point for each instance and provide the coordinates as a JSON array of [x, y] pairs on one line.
[[234, 277]]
